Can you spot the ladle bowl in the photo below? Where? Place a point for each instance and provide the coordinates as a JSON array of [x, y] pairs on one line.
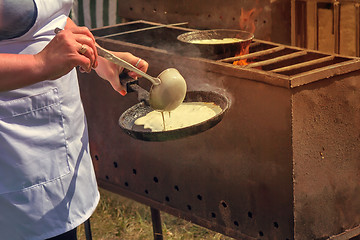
[[170, 93], [168, 90]]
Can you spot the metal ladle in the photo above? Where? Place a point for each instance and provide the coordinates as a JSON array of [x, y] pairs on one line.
[[168, 90]]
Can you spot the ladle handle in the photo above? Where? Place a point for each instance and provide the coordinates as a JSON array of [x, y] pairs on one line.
[[132, 86], [111, 57]]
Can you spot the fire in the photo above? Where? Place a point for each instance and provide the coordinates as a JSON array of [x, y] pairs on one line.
[[247, 20], [242, 62], [243, 50], [247, 23]]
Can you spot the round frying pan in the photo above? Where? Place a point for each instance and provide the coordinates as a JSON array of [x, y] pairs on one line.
[[218, 50], [128, 118]]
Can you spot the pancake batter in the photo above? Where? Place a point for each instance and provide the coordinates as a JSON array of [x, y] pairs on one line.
[[216, 41], [187, 114]]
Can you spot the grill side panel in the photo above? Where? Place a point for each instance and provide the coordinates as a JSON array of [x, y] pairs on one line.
[[326, 145]]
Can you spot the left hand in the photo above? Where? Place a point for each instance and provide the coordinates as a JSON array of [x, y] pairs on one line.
[[111, 71]]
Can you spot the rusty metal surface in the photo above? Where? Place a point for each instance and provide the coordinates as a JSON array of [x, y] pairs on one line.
[[326, 153], [282, 164], [268, 20]]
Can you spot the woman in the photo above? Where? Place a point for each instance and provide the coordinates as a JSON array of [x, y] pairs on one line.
[[47, 181]]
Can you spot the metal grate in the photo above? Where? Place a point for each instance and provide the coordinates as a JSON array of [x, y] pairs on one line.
[[299, 65], [292, 65]]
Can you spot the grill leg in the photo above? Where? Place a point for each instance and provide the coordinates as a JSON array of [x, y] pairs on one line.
[[156, 222], [87, 229]]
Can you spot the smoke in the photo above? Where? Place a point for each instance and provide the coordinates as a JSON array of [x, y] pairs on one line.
[[203, 78]]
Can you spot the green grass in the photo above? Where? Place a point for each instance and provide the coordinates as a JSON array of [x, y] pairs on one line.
[[118, 218]]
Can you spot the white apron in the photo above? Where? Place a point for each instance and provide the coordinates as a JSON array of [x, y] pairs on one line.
[[47, 181]]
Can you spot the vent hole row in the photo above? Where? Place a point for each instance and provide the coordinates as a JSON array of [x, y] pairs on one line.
[[188, 206], [155, 10]]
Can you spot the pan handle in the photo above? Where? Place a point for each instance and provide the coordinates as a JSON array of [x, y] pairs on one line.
[[133, 86]]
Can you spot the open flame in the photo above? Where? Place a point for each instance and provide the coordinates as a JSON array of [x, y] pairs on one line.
[[243, 51], [241, 62], [247, 21]]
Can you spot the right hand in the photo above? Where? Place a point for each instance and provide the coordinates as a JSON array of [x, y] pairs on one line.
[[62, 54]]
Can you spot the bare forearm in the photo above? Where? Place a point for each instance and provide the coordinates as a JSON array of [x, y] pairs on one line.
[[19, 70], [58, 58]]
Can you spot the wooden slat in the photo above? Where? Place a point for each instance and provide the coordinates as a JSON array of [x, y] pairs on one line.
[[324, 72], [301, 24], [330, 1], [348, 234], [357, 22], [255, 44], [316, 25], [303, 64], [337, 26], [277, 59], [293, 21], [252, 55]]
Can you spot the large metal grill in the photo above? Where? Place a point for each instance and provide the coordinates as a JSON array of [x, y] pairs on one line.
[[282, 164]]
